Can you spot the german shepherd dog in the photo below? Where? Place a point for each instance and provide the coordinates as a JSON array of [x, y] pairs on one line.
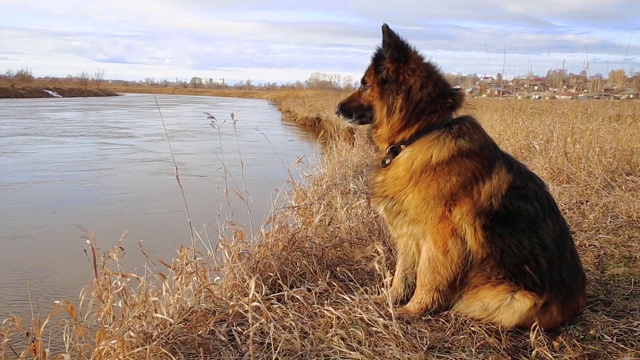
[[475, 230]]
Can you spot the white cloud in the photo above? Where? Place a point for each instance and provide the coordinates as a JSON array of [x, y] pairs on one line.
[[285, 40]]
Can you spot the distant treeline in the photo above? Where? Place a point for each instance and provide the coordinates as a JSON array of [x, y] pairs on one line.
[[554, 79]]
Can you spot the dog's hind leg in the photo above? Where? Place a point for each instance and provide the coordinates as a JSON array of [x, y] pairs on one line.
[[500, 304]]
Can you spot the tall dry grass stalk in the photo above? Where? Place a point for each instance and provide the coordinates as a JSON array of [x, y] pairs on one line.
[[315, 285]]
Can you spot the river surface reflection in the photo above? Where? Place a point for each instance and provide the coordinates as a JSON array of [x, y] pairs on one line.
[[104, 164]]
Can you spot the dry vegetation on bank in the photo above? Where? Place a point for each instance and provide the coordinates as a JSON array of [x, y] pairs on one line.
[[24, 85], [316, 284], [39, 92]]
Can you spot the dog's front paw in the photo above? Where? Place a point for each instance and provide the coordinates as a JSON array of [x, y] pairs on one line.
[[398, 295], [414, 308], [407, 311]]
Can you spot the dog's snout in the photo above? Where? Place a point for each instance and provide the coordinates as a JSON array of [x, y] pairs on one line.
[[354, 112]]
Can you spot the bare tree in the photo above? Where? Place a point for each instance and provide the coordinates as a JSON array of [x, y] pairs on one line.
[[595, 83], [23, 76], [319, 80], [555, 77], [348, 83], [244, 85], [83, 79], [617, 78], [635, 81], [98, 77]]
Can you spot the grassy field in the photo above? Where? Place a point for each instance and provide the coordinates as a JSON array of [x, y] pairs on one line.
[[314, 283]]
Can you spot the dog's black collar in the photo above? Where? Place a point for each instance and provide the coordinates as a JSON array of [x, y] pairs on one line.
[[394, 149], [392, 152]]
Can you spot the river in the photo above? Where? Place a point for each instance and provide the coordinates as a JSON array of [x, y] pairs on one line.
[[105, 165]]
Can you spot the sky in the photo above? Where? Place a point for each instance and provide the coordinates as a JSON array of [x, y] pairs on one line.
[[286, 40]]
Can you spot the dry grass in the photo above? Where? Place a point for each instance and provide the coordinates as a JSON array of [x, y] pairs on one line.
[[316, 284], [34, 88], [173, 90], [37, 92]]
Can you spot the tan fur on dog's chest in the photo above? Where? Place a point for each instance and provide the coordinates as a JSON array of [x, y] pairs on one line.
[[410, 196], [424, 193]]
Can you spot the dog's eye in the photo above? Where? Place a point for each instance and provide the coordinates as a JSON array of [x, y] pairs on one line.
[[364, 86]]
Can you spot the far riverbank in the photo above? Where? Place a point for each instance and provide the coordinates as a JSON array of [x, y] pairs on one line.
[[14, 92]]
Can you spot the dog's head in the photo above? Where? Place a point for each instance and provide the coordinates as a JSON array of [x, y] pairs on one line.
[[398, 84]]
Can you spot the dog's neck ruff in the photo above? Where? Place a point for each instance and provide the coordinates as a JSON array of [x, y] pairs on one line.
[[394, 149]]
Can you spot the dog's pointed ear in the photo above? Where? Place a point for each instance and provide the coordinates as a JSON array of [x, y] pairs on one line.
[[394, 47], [388, 36]]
